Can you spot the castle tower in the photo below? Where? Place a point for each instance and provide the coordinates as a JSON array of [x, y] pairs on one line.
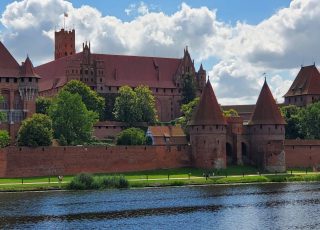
[[267, 133], [28, 87], [64, 43], [305, 89], [207, 130], [201, 78]]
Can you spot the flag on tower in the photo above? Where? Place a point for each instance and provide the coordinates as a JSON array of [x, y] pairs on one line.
[[66, 14]]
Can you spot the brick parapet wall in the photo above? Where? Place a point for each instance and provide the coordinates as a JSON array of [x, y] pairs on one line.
[[50, 161], [302, 153]]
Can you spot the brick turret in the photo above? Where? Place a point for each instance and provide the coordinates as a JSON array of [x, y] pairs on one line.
[[267, 132], [207, 130], [64, 43]]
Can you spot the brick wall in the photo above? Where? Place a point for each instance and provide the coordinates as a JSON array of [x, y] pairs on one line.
[[27, 162], [302, 153]]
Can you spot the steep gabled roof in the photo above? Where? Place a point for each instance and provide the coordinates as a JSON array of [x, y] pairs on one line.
[[119, 70], [266, 111], [306, 82], [27, 69], [9, 67], [208, 112]]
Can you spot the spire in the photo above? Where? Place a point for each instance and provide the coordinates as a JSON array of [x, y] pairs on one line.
[[208, 112], [201, 68], [27, 69], [266, 111]]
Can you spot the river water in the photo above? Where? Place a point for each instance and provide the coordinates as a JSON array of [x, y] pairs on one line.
[[268, 206]]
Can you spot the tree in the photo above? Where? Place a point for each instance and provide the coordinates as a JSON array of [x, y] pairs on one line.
[[188, 88], [146, 104], [125, 108], [310, 121], [35, 131], [43, 104], [4, 138], [187, 111], [292, 115], [2, 114], [90, 98], [72, 121], [131, 136], [230, 113], [133, 106]]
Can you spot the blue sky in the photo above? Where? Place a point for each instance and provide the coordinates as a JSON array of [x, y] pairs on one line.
[[236, 40], [251, 11]]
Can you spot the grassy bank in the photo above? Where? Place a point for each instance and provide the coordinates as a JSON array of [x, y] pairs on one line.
[[164, 177]]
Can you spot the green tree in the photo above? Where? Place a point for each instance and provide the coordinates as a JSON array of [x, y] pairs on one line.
[[125, 107], [189, 89], [110, 100], [133, 106], [4, 138], [90, 98], [146, 104], [35, 131], [131, 136], [187, 111], [310, 121], [72, 121], [230, 113], [292, 115], [2, 114], [43, 104]]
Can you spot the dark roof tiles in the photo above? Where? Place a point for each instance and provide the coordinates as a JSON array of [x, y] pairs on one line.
[[208, 112]]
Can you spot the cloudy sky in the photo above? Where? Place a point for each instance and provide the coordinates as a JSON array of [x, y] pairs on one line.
[[236, 40]]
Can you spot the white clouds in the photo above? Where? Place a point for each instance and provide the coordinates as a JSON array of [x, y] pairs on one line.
[[276, 45]]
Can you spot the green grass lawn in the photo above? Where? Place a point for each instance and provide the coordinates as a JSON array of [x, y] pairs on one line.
[[234, 174]]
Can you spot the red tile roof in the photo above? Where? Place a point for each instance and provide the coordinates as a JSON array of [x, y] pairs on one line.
[[266, 111], [27, 69], [208, 112], [167, 131], [119, 70], [53, 74], [9, 67], [306, 82]]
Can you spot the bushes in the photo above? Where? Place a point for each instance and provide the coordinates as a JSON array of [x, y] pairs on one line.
[[4, 138], [131, 136], [85, 181]]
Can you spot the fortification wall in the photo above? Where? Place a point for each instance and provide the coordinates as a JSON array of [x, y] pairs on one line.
[[302, 153], [48, 161]]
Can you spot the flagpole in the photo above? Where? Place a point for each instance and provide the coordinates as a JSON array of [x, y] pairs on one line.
[[64, 21]]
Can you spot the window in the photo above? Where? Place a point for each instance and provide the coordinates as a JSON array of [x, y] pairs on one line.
[[86, 71], [157, 90], [7, 79], [30, 79]]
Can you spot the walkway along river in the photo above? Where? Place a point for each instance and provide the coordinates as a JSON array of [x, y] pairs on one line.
[[263, 206]]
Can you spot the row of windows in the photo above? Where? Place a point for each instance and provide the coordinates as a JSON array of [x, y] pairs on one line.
[[15, 80]]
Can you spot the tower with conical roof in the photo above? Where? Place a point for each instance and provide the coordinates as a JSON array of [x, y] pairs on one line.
[[28, 87], [267, 133], [207, 130]]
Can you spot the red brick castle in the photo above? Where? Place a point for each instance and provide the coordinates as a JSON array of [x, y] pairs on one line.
[[106, 73]]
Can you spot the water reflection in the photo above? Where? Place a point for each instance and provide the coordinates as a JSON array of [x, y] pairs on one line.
[[282, 206]]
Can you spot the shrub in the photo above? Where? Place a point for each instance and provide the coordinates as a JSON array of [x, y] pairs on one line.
[[36, 131], [4, 138], [87, 181], [131, 136], [82, 181]]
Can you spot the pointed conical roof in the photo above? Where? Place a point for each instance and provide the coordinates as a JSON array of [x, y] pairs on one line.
[[27, 69], [266, 111], [201, 68], [208, 112], [306, 82], [9, 67]]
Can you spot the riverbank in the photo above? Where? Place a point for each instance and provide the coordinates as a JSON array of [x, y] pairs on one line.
[[169, 177]]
